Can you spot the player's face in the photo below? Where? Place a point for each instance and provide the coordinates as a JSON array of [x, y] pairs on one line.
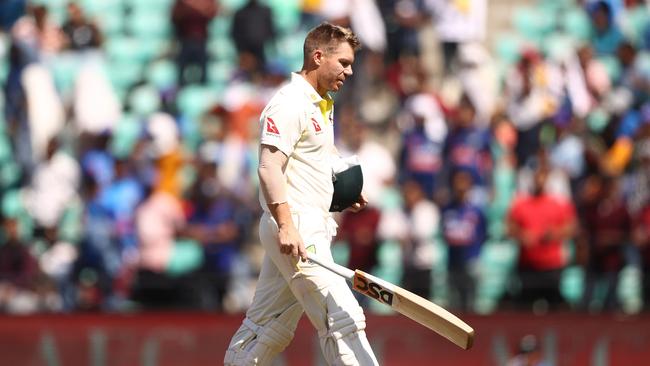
[[336, 67]]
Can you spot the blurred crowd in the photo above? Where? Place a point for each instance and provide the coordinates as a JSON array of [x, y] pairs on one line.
[[503, 172]]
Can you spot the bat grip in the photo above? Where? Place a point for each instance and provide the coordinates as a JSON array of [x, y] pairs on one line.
[[334, 267]]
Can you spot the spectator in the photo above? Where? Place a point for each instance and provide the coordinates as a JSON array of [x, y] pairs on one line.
[[420, 158], [403, 21], [533, 89], [606, 36], [40, 37], [252, 31], [641, 237], [422, 218], [165, 277], [217, 221], [45, 110], [10, 11], [606, 230], [19, 272], [457, 23], [540, 223], [53, 186], [557, 181], [191, 19], [377, 162], [120, 199], [467, 147], [100, 248], [82, 33], [464, 231]]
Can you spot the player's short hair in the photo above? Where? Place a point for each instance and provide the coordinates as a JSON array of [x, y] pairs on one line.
[[327, 36]]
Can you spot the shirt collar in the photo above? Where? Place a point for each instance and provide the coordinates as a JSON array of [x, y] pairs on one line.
[[308, 89]]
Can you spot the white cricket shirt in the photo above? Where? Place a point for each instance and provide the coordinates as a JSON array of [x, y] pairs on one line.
[[299, 122]]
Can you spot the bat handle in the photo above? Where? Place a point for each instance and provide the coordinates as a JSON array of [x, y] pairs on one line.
[[334, 267]]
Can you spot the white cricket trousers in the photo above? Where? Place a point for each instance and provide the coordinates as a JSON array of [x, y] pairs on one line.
[[286, 287]]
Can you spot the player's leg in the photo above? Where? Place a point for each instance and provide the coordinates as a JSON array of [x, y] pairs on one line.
[[325, 297], [270, 321]]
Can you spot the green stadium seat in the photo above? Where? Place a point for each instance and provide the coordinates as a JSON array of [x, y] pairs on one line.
[[555, 5], [289, 47], [634, 23], [147, 24], [12, 206], [529, 24], [126, 134], [630, 289], [112, 23], [12, 203], [222, 49], [6, 155], [559, 46], [508, 47], [64, 70], [612, 66], [286, 15], [576, 23], [97, 9], [219, 27], [341, 253], [497, 261], [161, 7], [389, 268], [572, 284], [71, 224], [186, 257], [124, 75], [144, 100], [194, 100], [220, 72], [9, 174], [122, 49], [162, 74], [597, 120]]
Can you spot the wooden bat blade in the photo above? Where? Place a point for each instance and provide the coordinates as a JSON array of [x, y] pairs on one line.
[[415, 307]]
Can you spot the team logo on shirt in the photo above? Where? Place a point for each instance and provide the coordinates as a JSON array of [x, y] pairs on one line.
[[271, 127], [316, 125]]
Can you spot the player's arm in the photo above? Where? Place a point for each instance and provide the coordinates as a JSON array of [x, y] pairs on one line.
[[272, 183]]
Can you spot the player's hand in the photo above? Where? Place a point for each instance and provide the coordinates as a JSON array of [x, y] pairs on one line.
[[291, 243], [361, 203]]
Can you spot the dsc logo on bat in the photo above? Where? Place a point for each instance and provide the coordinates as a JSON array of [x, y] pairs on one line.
[[373, 290]]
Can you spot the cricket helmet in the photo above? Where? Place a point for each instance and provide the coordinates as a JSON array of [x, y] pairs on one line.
[[347, 188]]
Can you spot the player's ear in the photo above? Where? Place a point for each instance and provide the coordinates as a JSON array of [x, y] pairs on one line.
[[318, 57]]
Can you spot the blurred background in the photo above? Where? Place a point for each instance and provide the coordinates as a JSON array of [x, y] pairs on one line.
[[506, 154]]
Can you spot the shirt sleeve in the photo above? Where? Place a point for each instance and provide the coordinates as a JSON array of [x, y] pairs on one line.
[[281, 127]]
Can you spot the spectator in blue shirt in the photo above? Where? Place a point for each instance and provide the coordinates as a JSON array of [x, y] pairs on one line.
[[463, 228], [467, 147]]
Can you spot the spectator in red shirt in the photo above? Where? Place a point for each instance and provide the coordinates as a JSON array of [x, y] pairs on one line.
[[190, 19], [540, 223]]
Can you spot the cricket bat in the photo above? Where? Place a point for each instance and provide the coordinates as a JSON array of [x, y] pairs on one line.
[[406, 303]]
